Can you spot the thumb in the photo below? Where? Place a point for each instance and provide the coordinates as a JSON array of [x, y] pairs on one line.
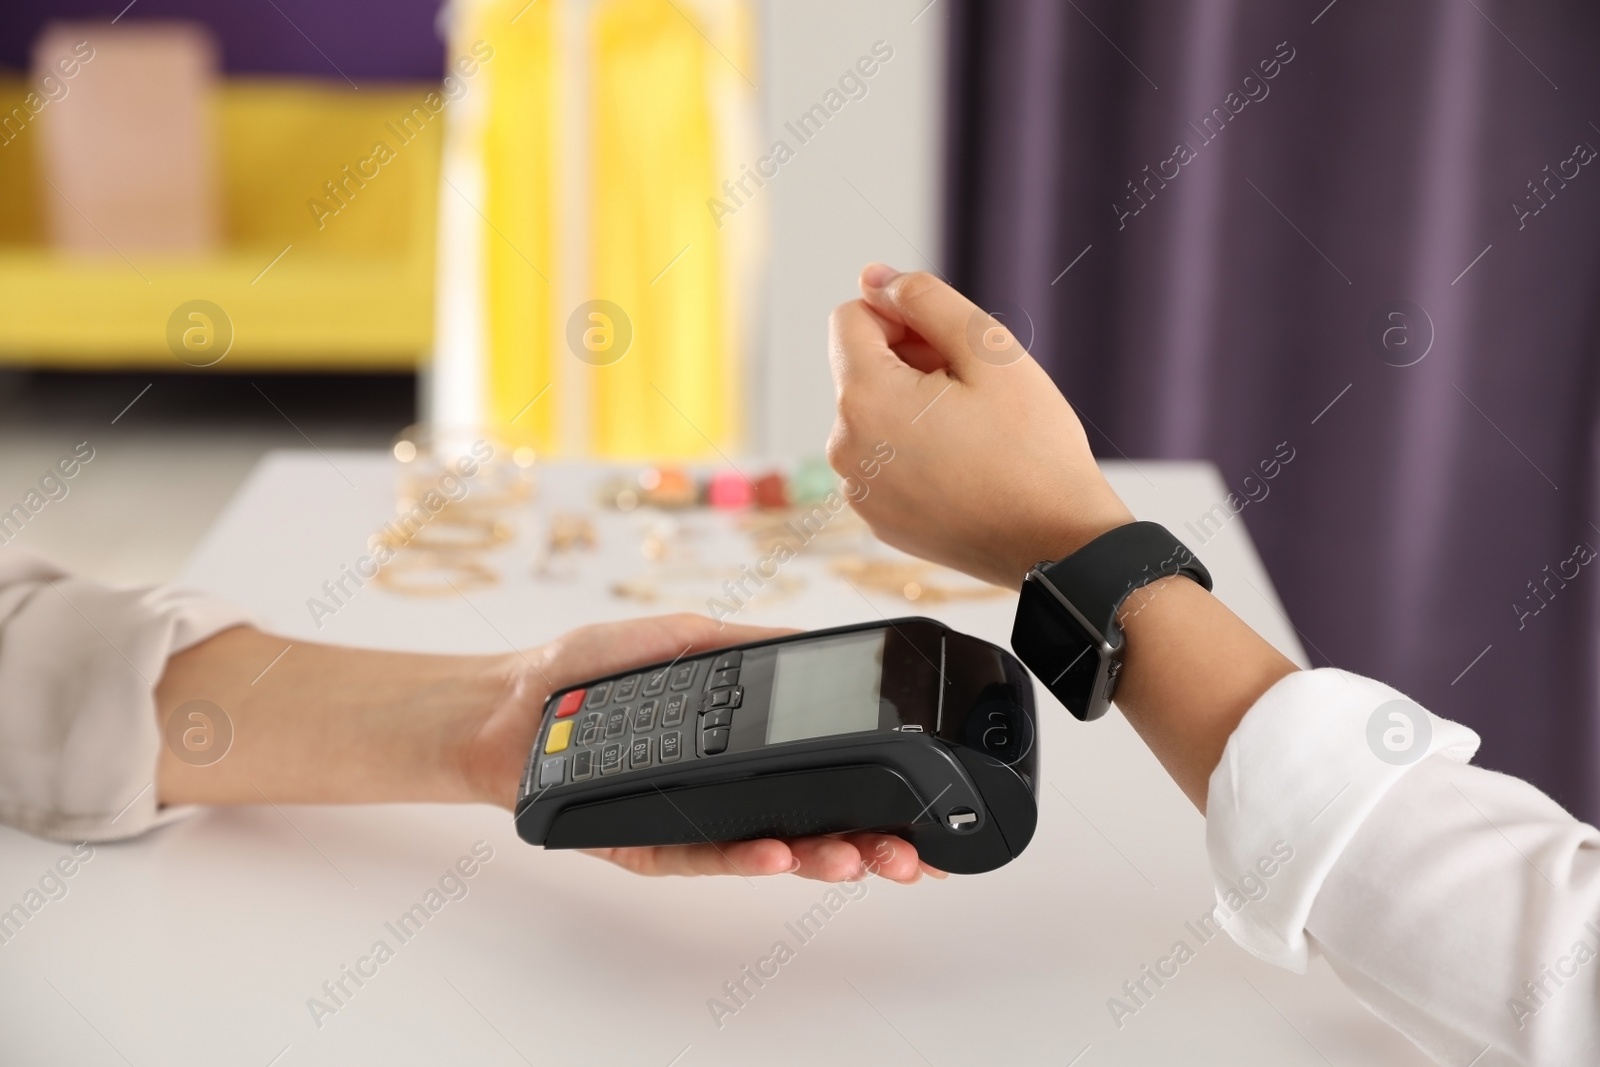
[[960, 331], [605, 648]]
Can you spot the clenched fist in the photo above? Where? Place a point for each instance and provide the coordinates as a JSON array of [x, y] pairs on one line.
[[992, 472]]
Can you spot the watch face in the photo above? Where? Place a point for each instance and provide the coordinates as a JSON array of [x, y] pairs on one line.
[[1060, 651]]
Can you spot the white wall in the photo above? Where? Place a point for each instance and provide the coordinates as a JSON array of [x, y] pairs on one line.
[[822, 231]]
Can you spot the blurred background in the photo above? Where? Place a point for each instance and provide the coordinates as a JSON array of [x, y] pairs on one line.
[[326, 222], [1358, 241]]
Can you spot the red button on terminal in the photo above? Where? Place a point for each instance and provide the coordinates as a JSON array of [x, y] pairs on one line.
[[570, 703]]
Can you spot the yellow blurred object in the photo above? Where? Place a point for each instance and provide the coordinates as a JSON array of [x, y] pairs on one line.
[[592, 267], [656, 252], [519, 156], [349, 285]]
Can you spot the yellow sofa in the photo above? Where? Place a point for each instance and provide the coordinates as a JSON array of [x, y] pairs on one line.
[[354, 290]]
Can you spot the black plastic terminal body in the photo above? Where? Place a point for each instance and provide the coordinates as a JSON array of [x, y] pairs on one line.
[[952, 766]]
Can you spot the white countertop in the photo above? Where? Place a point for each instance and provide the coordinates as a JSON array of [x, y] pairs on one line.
[[202, 942]]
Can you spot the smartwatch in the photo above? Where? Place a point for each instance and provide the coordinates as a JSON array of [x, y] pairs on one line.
[[1066, 629]]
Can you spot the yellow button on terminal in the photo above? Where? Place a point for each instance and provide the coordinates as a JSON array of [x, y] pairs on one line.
[[559, 737]]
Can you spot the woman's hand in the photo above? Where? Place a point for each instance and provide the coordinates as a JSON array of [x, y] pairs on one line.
[[992, 472], [321, 724], [494, 755]]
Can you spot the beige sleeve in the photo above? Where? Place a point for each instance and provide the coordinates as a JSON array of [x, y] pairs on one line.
[[79, 663]]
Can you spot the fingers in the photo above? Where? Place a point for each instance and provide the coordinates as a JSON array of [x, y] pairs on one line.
[[746, 858], [887, 857], [844, 858], [931, 309], [703, 633], [852, 857], [880, 388], [826, 859], [868, 348], [592, 651], [860, 347]]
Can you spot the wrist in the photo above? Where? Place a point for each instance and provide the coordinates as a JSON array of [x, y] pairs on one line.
[[1191, 670], [1070, 533], [494, 721]]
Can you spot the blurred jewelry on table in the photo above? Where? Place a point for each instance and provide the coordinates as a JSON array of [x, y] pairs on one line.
[[685, 586], [912, 580], [410, 575], [572, 533], [446, 519], [566, 535]]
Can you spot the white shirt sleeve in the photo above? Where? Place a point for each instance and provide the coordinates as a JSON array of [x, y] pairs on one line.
[[79, 663], [1460, 905]]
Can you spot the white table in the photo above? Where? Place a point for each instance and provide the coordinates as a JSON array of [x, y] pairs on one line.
[[201, 943]]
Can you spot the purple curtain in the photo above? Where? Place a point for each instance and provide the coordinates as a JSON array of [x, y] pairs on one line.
[[360, 39], [1366, 232]]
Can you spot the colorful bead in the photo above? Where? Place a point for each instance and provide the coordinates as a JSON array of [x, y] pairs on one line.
[[729, 491]]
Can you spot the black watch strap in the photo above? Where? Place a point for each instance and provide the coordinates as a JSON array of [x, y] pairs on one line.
[[1098, 577]]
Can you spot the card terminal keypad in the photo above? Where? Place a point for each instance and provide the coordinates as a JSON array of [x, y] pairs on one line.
[[645, 720]]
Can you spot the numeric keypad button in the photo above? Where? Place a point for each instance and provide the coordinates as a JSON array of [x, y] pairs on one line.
[[552, 771], [645, 717], [671, 746]]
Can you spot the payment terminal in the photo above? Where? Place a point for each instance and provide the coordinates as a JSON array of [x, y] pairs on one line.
[[905, 727]]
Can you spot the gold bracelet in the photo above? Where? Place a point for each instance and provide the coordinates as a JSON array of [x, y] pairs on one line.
[[492, 532], [469, 574]]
